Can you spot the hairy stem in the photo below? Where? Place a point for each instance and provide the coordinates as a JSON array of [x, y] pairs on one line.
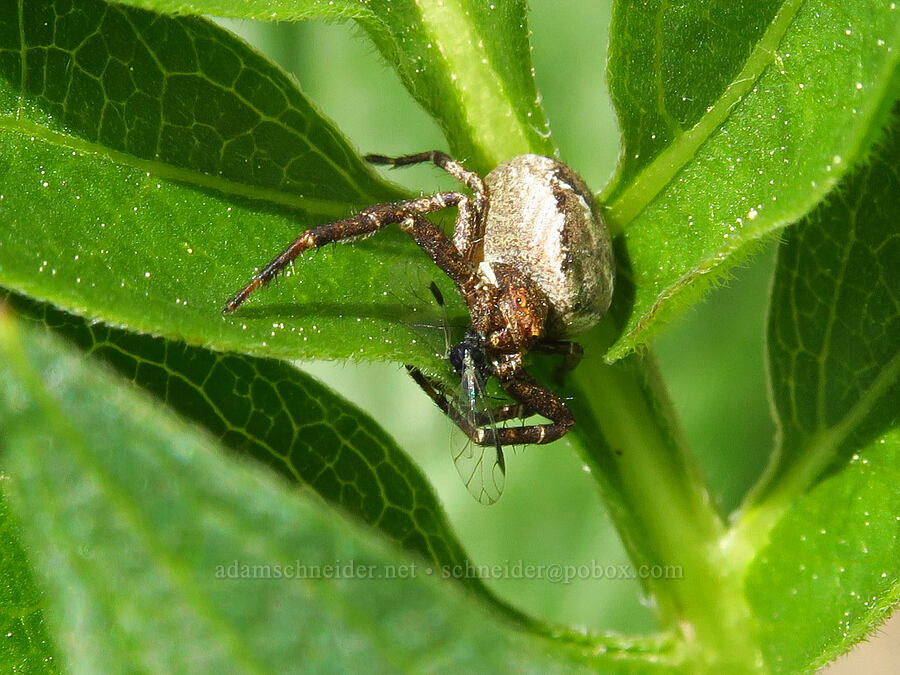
[[631, 439]]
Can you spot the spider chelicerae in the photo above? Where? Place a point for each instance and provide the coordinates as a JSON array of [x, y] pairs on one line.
[[531, 258]]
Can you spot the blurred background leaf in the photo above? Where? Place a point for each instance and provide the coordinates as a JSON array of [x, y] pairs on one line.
[[242, 566], [271, 411], [26, 642]]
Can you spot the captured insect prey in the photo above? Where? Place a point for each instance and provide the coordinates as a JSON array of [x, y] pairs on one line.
[[531, 258], [481, 467]]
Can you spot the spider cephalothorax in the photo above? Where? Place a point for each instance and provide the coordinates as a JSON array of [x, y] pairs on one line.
[[530, 256], [506, 307]]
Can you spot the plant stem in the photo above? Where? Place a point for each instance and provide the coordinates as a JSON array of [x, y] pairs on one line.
[[659, 502]]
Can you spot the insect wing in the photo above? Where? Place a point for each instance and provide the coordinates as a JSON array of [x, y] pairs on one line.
[[481, 467], [483, 471]]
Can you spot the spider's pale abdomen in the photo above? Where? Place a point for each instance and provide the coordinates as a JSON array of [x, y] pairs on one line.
[[542, 218]]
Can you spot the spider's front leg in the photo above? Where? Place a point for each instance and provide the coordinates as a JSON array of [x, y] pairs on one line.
[[531, 399], [408, 214], [469, 228]]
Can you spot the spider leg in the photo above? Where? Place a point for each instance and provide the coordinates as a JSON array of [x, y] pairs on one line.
[[482, 469], [469, 228], [408, 214], [439, 248], [572, 353], [535, 399], [435, 393], [440, 159]]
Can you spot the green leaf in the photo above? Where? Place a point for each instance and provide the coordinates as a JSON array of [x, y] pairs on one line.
[[275, 413], [126, 511], [834, 329], [178, 97], [656, 59], [825, 515], [736, 120], [136, 147], [830, 574], [26, 643], [467, 62]]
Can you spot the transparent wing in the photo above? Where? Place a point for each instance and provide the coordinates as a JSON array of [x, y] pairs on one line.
[[483, 470], [481, 467]]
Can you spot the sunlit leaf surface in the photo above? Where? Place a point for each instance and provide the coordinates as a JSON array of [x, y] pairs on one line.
[[737, 118], [157, 162]]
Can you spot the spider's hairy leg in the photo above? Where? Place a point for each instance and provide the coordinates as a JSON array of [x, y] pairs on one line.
[[370, 220], [469, 225], [440, 159], [537, 399], [439, 248], [435, 393]]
